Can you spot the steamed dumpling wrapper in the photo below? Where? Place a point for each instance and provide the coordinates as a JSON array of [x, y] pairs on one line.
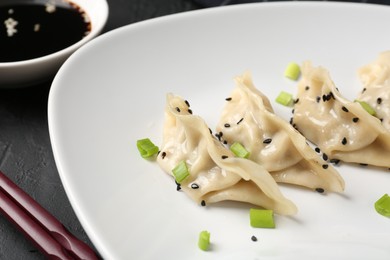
[[341, 128], [213, 168], [248, 119], [376, 82]]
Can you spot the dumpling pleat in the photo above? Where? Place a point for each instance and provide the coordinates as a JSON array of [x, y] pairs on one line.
[[273, 142], [213, 168]]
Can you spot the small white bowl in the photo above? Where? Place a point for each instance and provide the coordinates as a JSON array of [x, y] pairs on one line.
[[32, 71]]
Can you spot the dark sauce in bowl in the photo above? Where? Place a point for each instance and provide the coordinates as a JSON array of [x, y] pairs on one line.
[[31, 29]]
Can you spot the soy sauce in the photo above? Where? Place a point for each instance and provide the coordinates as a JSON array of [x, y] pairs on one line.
[[30, 29]]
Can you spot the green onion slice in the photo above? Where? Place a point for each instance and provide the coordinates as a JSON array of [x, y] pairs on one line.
[[180, 172], [262, 218], [367, 107], [292, 71], [204, 240], [382, 206], [239, 150], [284, 98], [146, 148]]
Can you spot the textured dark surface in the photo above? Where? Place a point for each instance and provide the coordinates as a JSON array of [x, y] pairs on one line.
[[25, 150]]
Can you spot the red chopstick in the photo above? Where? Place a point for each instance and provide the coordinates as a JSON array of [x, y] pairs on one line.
[[42, 228]]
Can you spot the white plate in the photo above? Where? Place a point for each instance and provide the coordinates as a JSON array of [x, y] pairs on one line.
[[112, 92]]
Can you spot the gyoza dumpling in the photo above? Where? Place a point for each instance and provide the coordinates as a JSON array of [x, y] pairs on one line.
[[376, 82], [342, 129], [215, 174], [248, 119]]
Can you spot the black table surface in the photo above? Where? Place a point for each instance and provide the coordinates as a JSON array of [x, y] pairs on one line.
[[25, 149]]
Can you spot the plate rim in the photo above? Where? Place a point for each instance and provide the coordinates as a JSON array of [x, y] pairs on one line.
[[56, 84]]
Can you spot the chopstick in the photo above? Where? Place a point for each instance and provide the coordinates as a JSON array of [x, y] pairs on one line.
[[42, 228]]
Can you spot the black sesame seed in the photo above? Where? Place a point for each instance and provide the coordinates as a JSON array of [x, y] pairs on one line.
[[227, 125], [307, 88], [325, 166], [325, 157], [296, 100], [344, 141], [317, 149], [187, 103], [178, 109], [355, 119], [291, 120], [378, 100], [178, 186], [254, 239], [190, 111], [194, 186], [320, 190], [203, 203], [292, 111], [364, 89], [224, 156], [228, 99], [345, 109], [363, 164], [163, 154], [225, 142], [211, 131], [327, 97], [239, 121], [267, 141], [318, 99], [334, 161]]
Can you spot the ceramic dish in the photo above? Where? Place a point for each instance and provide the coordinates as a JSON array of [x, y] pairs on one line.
[[32, 71], [112, 92]]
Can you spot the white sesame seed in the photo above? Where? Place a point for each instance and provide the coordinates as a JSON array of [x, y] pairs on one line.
[[10, 25], [50, 7], [37, 27]]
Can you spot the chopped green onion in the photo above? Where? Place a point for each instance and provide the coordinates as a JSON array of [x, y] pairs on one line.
[[180, 171], [382, 206], [292, 71], [146, 148], [204, 240], [367, 107], [285, 99], [262, 218], [239, 150]]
